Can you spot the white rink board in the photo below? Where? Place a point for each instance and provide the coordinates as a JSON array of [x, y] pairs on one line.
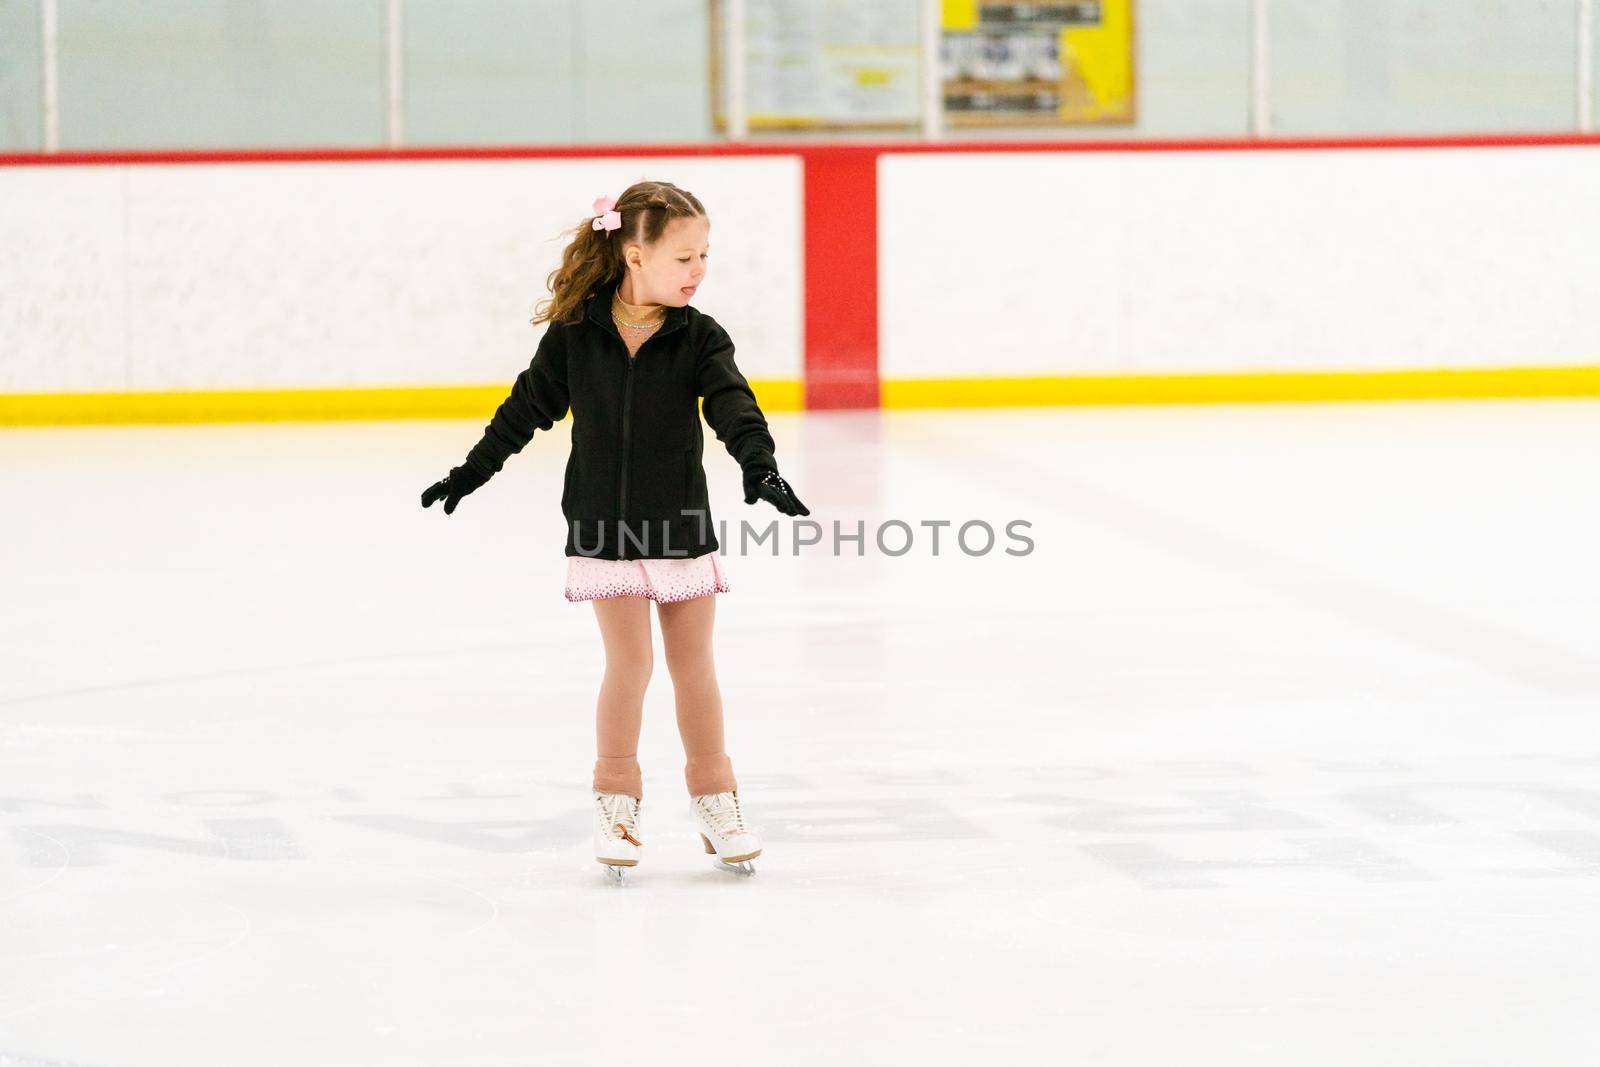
[[283, 275], [1000, 264]]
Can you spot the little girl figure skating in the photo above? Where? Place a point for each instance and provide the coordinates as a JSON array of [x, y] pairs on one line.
[[635, 363]]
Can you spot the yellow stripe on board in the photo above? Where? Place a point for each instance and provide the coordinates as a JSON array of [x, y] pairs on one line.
[[1504, 382], [479, 402], [284, 405]]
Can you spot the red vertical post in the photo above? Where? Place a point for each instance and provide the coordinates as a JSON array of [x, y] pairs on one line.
[[841, 277]]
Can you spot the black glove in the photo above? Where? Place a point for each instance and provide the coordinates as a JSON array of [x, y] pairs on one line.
[[460, 481], [768, 485]]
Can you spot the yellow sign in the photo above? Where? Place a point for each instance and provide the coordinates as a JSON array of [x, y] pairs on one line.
[[1103, 57], [1038, 64]]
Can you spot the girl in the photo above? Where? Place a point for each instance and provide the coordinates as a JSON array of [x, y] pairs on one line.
[[633, 362]]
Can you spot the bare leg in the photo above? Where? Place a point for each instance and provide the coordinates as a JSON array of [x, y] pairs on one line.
[[686, 633], [625, 629]]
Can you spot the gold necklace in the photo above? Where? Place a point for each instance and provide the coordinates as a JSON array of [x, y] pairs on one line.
[[621, 309]]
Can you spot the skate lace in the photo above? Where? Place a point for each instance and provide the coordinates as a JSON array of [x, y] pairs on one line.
[[621, 814], [722, 811]]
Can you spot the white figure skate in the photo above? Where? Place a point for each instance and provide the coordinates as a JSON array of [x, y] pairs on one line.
[[616, 833], [722, 828]]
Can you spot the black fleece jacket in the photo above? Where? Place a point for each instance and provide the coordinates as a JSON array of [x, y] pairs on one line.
[[635, 485]]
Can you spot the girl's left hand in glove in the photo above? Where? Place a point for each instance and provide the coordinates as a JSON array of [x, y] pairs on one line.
[[768, 485]]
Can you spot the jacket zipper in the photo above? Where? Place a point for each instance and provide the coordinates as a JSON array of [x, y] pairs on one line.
[[627, 406]]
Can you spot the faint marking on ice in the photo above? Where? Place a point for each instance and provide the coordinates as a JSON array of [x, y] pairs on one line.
[[66, 860], [133, 985]]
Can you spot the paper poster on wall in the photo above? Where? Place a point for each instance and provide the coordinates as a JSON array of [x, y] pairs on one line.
[[822, 64], [1059, 64]]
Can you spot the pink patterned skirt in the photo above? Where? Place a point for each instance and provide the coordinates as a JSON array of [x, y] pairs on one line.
[[662, 580]]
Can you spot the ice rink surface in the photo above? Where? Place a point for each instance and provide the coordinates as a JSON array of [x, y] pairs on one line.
[[1280, 746]]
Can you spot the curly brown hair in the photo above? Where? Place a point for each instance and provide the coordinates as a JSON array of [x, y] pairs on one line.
[[594, 257]]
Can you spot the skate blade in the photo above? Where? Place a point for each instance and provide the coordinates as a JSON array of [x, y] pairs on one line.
[[615, 869]]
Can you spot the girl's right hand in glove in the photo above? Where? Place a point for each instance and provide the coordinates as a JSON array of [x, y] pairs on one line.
[[451, 488]]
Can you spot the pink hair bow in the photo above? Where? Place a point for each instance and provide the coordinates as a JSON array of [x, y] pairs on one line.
[[608, 218]]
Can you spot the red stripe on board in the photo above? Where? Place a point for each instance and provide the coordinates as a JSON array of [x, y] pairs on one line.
[[841, 279], [806, 149]]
